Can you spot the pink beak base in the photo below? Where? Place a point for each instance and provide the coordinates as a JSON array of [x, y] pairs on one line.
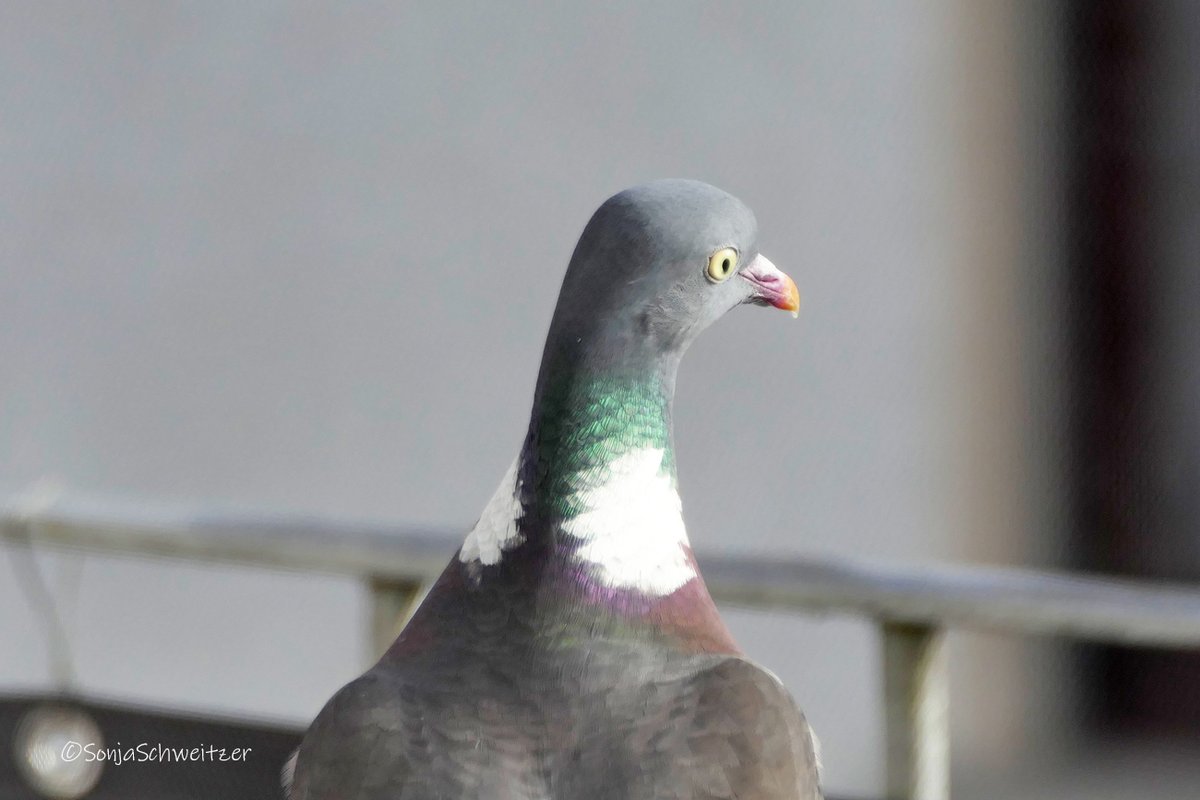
[[771, 285]]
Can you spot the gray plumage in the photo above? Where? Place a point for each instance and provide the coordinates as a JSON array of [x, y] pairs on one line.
[[533, 675]]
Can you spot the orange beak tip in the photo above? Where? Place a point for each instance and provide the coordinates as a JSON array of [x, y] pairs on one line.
[[793, 299]]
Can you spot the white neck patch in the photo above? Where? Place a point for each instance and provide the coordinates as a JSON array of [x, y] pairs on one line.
[[632, 530], [496, 530]]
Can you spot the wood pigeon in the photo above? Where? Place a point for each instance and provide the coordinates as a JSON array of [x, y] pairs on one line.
[[571, 650]]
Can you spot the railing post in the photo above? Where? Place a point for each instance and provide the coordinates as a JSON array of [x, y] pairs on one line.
[[916, 694], [392, 604]]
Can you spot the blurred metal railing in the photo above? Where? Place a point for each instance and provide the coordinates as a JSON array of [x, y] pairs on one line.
[[913, 607]]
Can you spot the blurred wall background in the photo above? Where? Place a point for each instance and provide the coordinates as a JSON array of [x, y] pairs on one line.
[[303, 258]]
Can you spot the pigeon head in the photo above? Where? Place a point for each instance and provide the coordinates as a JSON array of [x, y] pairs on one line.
[[659, 263]]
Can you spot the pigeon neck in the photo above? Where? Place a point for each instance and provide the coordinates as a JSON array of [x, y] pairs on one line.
[[597, 477], [588, 416]]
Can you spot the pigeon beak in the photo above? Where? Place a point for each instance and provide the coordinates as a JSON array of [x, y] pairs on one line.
[[771, 286]]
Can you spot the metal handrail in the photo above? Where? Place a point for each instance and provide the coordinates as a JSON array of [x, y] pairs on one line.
[[914, 606]]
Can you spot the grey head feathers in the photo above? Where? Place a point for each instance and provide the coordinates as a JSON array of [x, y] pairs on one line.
[[638, 285]]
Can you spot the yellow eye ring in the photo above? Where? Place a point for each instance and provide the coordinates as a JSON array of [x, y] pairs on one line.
[[722, 264]]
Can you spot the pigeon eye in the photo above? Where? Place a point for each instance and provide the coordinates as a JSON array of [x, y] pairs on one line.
[[721, 264]]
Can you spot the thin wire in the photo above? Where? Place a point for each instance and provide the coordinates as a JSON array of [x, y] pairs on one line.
[[36, 588]]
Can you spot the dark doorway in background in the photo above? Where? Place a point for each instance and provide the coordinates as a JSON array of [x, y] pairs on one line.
[[1134, 293]]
